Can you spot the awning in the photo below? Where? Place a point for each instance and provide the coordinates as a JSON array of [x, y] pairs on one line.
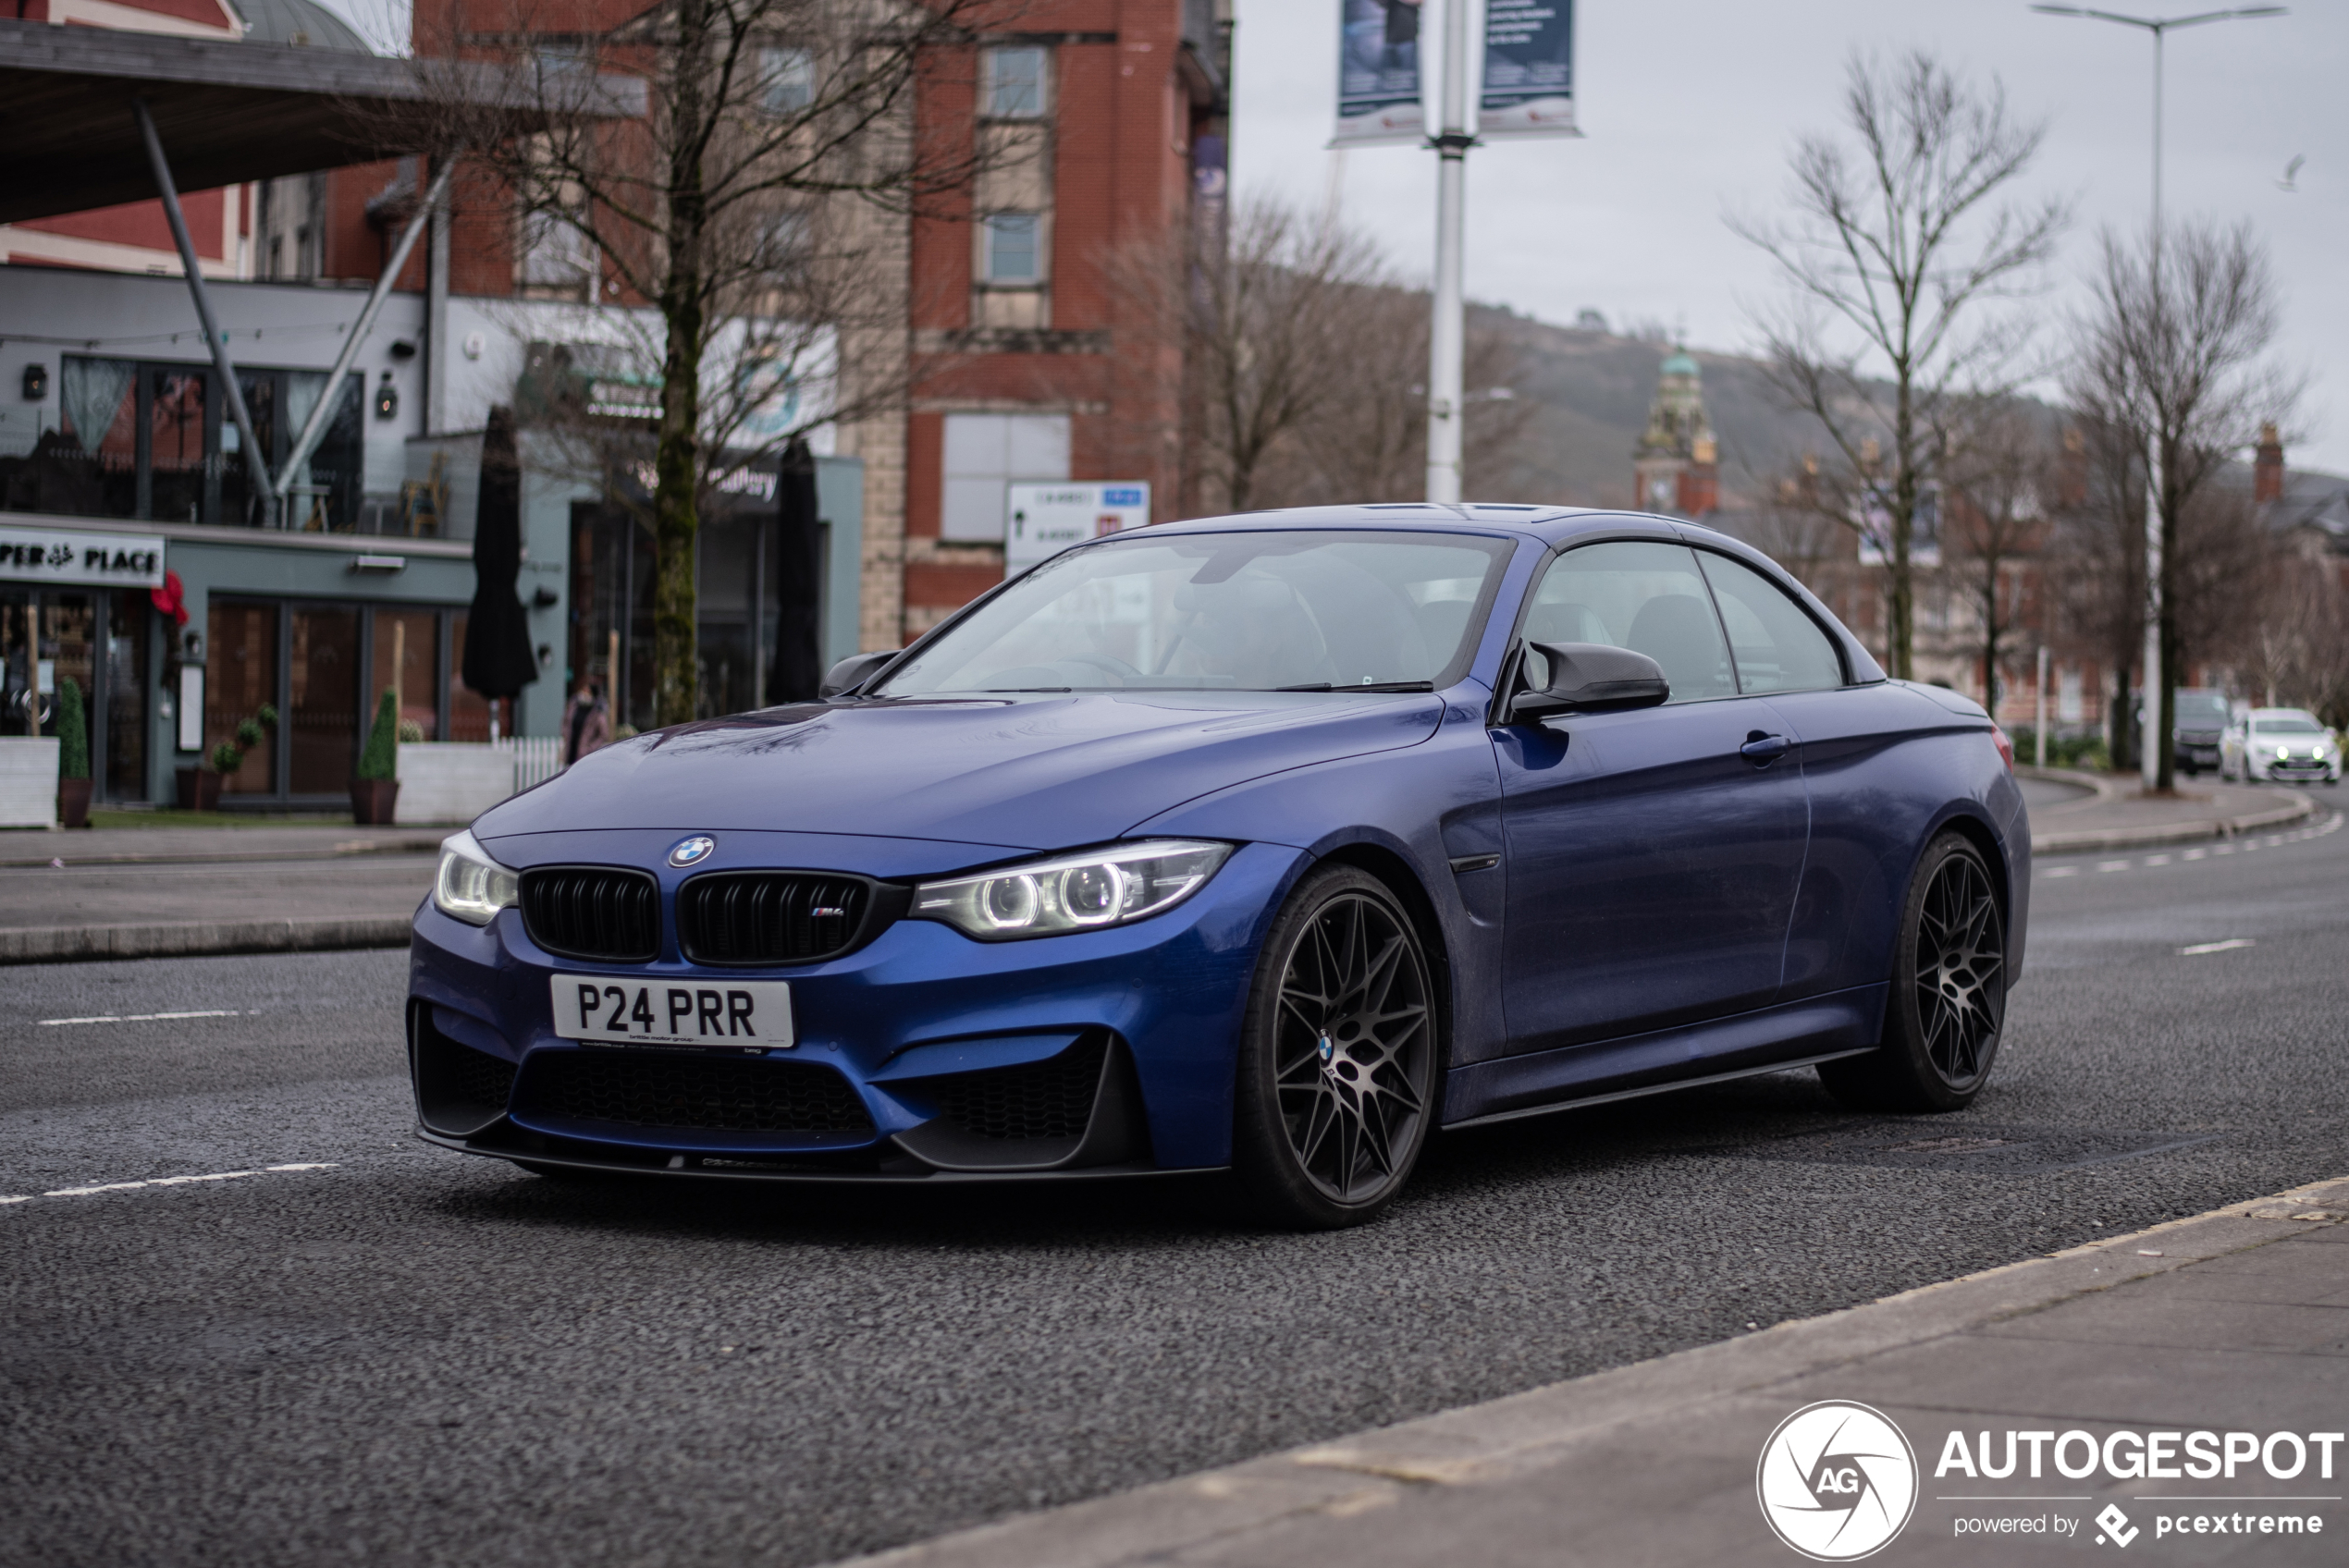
[[227, 112]]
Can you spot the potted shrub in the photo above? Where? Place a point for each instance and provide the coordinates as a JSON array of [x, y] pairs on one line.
[[73, 755], [374, 788]]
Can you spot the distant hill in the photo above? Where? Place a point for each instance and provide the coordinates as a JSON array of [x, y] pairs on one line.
[[1590, 392]]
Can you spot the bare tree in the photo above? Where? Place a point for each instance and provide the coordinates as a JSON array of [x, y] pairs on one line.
[[2100, 553], [2297, 651], [1266, 310], [1893, 247], [730, 210], [2171, 358], [1995, 519]]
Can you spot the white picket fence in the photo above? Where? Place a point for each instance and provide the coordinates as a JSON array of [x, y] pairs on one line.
[[536, 759], [458, 782]]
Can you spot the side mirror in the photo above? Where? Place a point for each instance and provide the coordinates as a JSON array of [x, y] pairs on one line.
[[853, 671], [1591, 678]]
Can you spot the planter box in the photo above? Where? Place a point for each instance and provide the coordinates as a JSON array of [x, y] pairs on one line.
[[452, 781], [198, 788], [29, 781]]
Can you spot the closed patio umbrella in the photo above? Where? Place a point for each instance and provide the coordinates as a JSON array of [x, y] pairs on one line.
[[497, 658], [799, 556]]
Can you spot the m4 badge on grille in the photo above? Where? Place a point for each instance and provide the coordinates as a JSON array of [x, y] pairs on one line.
[[692, 851]]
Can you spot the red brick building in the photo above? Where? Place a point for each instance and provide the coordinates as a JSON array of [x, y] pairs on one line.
[[1032, 358]]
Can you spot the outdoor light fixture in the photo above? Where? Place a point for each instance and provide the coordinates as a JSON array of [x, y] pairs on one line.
[[36, 383], [386, 398], [403, 350]]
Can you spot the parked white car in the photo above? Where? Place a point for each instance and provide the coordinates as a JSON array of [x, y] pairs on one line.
[[2283, 745]]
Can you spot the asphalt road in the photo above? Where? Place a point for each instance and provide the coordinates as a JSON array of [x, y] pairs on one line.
[[394, 1356]]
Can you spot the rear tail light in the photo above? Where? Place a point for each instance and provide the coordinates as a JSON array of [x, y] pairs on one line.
[[2006, 747]]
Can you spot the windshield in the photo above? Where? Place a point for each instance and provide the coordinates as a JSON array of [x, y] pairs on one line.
[[2297, 724], [2199, 709], [1278, 610]]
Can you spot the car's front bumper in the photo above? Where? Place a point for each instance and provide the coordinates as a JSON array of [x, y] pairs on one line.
[[923, 1055]]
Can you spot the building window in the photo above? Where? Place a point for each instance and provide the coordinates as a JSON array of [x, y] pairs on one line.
[[1015, 85], [787, 80], [984, 454], [1012, 252], [552, 254]]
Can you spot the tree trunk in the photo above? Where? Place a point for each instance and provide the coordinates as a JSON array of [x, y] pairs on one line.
[[2173, 640], [676, 520], [1902, 633]]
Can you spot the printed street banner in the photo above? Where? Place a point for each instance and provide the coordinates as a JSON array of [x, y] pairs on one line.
[[1378, 72], [1529, 69]]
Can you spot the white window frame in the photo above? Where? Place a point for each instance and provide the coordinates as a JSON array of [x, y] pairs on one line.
[[990, 83], [1039, 239], [787, 78]]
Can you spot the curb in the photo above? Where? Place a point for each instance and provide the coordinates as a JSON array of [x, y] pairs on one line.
[[327, 852], [1212, 1516], [193, 939], [2170, 833]]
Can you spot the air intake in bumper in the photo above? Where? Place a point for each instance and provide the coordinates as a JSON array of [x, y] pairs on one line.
[[1083, 1106], [460, 1091], [685, 1091]]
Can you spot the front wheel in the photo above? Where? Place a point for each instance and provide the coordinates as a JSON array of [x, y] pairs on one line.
[[1943, 1019], [1338, 1056]]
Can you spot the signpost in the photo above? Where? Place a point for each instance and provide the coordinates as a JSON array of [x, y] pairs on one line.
[[1048, 518]]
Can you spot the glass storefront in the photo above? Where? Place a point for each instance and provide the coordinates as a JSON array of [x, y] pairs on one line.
[[157, 442], [322, 668], [97, 638]]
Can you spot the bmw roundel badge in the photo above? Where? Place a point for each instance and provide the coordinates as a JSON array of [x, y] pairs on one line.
[[692, 851]]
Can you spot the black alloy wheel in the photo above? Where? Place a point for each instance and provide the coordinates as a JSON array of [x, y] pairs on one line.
[[1338, 1055], [1946, 1010]]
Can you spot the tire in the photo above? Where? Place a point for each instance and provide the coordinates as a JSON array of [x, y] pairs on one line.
[[1338, 1054], [1947, 1013]]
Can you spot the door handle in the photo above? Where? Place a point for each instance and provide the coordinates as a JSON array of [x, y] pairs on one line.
[[1763, 749]]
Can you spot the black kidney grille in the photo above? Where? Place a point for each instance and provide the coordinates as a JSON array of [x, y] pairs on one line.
[[769, 917], [639, 1089], [1041, 1100], [593, 911]]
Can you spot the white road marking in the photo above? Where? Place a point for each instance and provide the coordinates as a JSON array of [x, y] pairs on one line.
[[2112, 865], [2227, 946], [142, 1017], [2195, 854], [2063, 871], [160, 1182], [2157, 860]]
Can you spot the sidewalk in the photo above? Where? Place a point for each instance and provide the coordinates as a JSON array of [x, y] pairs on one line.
[[2234, 1322], [2104, 812], [156, 892]]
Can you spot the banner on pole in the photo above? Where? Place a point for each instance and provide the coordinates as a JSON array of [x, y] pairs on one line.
[[1378, 73], [1529, 69]]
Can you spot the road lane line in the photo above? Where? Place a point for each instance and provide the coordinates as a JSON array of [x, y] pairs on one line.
[[2113, 865], [142, 1017], [165, 1182], [2228, 946], [2062, 871]]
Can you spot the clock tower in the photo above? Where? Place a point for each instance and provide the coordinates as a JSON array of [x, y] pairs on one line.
[[1676, 467]]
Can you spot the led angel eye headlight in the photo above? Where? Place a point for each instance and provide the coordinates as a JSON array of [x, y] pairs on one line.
[[1079, 892], [470, 886]]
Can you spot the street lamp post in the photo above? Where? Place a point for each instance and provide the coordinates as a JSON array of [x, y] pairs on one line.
[[1448, 334], [2156, 688]]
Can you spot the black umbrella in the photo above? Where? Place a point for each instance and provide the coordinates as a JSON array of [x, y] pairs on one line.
[[497, 658], [799, 558]]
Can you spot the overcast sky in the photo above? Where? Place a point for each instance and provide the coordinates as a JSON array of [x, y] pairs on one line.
[[1688, 107]]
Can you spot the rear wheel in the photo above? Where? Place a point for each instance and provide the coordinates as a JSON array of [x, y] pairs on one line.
[[1337, 1056], [1948, 1008]]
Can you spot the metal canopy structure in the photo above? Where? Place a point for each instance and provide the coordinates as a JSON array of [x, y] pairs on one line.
[[227, 112]]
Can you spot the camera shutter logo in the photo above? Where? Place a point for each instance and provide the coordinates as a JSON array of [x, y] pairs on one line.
[[1837, 1481]]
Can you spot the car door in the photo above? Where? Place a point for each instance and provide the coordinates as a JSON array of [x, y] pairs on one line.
[[1863, 826], [1654, 855]]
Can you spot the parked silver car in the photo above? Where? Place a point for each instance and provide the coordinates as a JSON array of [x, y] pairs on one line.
[[2283, 745]]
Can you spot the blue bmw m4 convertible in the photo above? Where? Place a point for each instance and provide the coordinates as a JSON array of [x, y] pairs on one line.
[[1268, 845]]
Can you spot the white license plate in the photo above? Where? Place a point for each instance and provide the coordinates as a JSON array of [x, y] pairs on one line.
[[744, 1014]]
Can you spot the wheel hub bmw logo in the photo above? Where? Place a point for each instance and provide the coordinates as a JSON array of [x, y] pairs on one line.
[[692, 851]]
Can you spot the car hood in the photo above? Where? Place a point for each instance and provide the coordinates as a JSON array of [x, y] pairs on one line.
[[1043, 772]]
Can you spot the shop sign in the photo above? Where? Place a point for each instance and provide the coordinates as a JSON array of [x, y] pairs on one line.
[[87, 560]]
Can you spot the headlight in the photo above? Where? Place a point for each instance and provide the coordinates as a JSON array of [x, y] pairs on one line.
[[471, 886], [1079, 892]]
